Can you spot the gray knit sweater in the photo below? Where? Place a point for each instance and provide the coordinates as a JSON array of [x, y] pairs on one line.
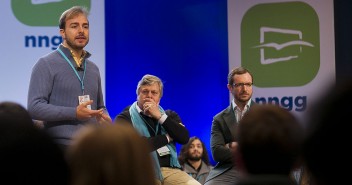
[[53, 93]]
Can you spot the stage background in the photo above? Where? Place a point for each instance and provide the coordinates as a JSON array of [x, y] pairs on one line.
[[184, 42], [287, 45]]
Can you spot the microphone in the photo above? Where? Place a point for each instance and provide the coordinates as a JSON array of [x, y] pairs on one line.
[[79, 68]]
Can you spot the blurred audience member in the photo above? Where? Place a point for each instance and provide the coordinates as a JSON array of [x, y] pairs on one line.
[[27, 154], [11, 112], [111, 155], [194, 159], [326, 152], [269, 144], [302, 176]]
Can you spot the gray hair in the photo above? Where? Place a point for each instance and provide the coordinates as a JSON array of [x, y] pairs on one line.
[[149, 80]]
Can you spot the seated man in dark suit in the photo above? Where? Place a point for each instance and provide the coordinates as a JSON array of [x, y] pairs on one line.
[[223, 131]]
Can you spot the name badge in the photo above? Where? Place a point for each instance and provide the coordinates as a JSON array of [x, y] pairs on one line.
[[163, 151], [83, 99]]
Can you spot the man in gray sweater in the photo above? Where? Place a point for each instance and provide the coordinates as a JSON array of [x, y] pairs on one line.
[[65, 86]]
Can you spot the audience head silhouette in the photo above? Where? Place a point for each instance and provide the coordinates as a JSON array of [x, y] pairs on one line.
[[14, 113], [115, 154], [326, 152], [27, 154], [269, 141]]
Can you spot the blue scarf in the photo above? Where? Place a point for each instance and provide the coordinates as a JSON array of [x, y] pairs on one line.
[[141, 127]]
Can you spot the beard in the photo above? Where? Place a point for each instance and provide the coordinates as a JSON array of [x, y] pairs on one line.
[[74, 46], [242, 99], [194, 157]]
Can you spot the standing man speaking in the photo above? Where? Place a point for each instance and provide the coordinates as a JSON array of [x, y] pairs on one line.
[[65, 87]]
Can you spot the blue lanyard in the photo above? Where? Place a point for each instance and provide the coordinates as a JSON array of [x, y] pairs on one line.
[[73, 68]]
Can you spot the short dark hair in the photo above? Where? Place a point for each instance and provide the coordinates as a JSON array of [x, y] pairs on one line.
[[237, 71], [70, 13]]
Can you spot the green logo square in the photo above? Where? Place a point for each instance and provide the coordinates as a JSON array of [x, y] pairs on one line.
[[43, 12], [280, 44]]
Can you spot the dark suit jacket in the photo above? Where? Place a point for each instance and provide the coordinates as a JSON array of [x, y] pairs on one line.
[[223, 131]]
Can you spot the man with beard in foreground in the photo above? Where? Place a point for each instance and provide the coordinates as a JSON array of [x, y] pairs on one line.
[[194, 159], [223, 140]]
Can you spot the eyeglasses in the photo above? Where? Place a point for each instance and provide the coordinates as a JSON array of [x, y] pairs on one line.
[[243, 84]]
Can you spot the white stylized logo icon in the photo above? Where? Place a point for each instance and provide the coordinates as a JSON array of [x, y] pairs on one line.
[[277, 46], [44, 1]]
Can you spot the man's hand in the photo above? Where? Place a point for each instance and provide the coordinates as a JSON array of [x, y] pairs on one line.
[[83, 113], [151, 108], [232, 146], [169, 139], [104, 119]]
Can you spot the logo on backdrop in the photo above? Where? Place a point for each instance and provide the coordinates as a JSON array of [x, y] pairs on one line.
[[43, 12], [281, 41]]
